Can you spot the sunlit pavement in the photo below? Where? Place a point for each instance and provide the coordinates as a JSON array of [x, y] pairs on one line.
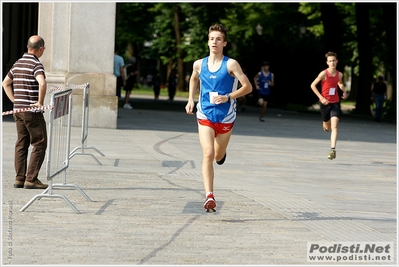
[[276, 192]]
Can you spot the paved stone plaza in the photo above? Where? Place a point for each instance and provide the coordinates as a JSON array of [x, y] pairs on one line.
[[276, 191]]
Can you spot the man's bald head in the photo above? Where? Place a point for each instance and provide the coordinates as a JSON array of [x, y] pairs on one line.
[[35, 42], [36, 46]]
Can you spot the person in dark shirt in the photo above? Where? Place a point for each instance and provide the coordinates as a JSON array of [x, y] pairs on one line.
[[379, 94], [172, 83], [131, 73], [156, 85]]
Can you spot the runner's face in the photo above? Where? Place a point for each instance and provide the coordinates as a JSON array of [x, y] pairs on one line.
[[216, 41], [332, 62]]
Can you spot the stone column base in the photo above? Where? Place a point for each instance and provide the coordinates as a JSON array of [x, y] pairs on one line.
[[103, 102]]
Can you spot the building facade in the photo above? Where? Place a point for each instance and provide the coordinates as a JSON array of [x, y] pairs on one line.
[[79, 40]]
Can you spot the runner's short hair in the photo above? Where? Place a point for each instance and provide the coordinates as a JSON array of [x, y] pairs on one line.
[[331, 54], [219, 28]]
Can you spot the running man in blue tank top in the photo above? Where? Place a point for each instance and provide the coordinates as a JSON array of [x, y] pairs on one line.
[[217, 77], [264, 80]]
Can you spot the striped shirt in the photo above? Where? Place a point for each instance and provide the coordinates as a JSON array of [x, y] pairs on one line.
[[25, 86]]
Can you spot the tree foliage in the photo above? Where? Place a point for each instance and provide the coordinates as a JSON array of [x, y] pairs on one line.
[[178, 33]]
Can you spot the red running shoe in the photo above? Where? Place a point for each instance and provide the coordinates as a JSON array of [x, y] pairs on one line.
[[210, 203]]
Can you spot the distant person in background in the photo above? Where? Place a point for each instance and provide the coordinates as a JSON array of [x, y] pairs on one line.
[[379, 94], [330, 79], [263, 80], [172, 83], [156, 85], [119, 72], [149, 79], [131, 73]]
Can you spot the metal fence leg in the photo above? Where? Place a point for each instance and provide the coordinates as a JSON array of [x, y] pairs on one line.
[[51, 196], [99, 152], [76, 187], [82, 153]]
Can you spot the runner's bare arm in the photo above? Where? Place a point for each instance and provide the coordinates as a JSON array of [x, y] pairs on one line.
[[235, 70], [193, 86], [318, 79]]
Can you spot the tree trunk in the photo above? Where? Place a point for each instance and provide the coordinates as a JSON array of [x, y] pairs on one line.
[[389, 10], [169, 68], [354, 85], [333, 32], [365, 59], [180, 68]]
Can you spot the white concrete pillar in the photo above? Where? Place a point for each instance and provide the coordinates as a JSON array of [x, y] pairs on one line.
[[79, 40]]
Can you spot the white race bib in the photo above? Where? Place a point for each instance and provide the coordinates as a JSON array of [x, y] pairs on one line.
[[211, 96], [332, 91], [266, 85]]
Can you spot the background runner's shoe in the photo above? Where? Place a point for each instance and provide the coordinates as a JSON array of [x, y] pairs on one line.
[[210, 202], [220, 162], [332, 154]]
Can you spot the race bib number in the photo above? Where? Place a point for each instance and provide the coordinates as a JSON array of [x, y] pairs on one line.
[[332, 91], [266, 85], [211, 96]]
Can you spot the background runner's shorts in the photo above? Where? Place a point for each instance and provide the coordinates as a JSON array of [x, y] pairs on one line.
[[264, 97], [329, 111], [219, 128]]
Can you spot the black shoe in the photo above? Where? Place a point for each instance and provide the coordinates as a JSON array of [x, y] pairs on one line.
[[220, 162], [261, 119]]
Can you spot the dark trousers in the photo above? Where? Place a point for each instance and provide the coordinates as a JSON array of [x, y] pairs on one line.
[[171, 92], [157, 90], [119, 85], [31, 130], [379, 106]]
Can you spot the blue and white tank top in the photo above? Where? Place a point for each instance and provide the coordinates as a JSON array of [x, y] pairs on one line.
[[222, 83], [263, 83]]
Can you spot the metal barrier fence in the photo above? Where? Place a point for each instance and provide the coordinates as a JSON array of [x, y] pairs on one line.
[[59, 133], [85, 126]]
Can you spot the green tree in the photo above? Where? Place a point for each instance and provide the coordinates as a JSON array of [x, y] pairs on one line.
[[365, 58], [332, 24], [178, 34], [132, 29], [364, 37], [163, 38], [390, 25]]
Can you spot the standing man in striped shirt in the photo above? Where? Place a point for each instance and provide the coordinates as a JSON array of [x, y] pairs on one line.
[[25, 85]]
